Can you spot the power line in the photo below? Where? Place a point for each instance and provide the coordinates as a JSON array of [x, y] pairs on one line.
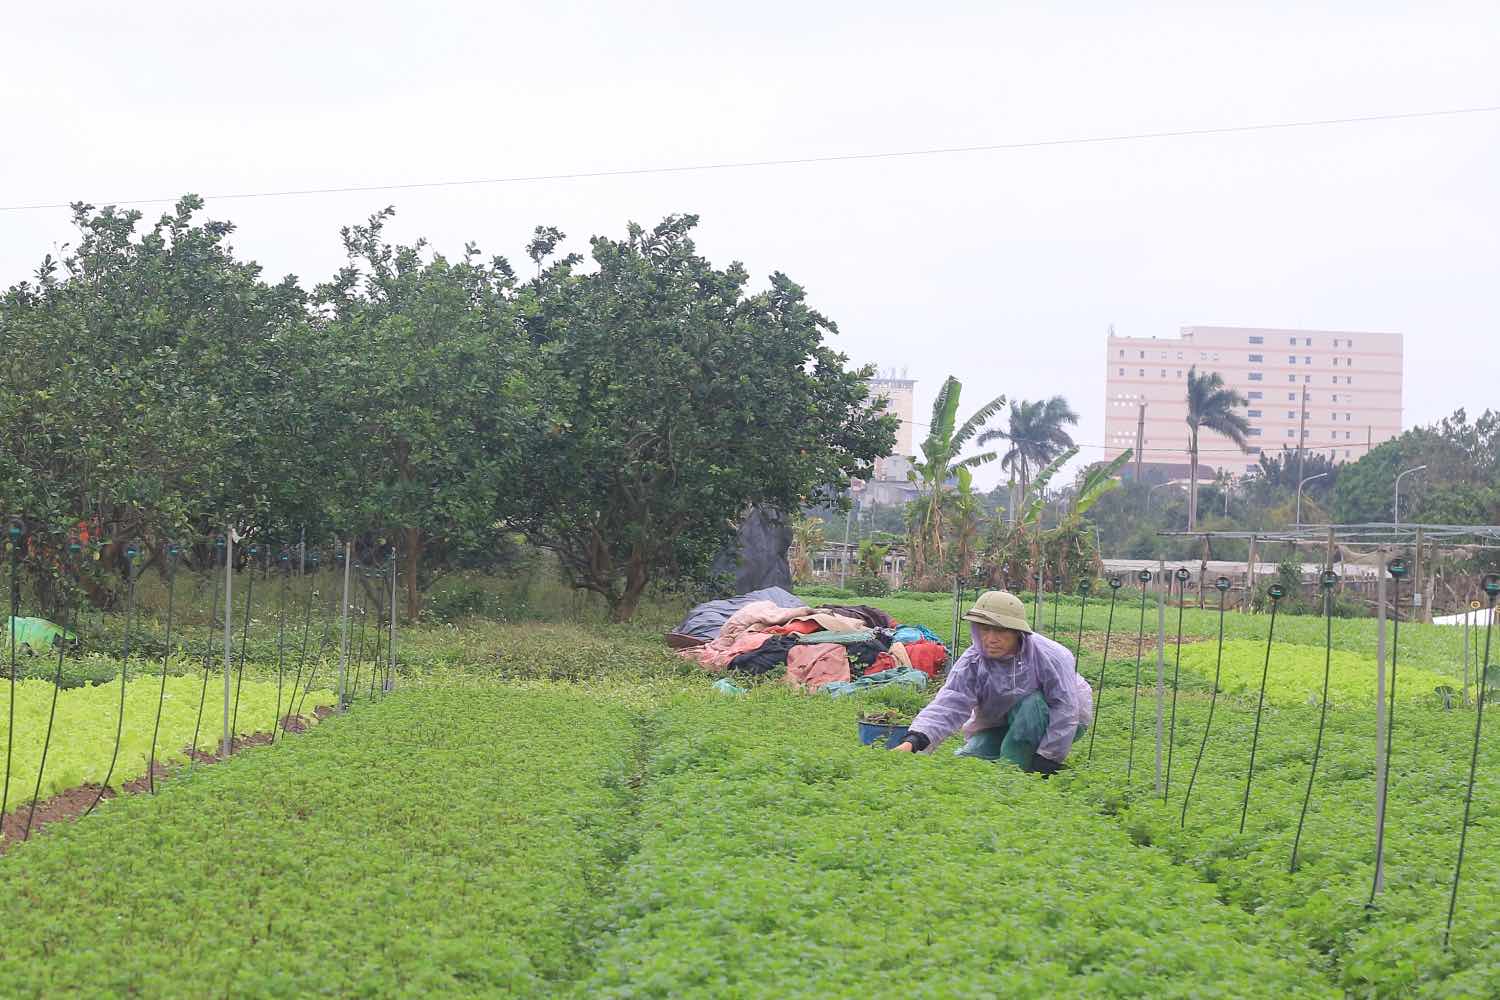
[[798, 161]]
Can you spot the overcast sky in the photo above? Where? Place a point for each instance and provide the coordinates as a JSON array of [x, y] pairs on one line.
[[1003, 268]]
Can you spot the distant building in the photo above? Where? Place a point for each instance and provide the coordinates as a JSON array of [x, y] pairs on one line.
[[1336, 392], [891, 484]]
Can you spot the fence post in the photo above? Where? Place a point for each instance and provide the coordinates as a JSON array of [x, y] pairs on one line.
[[1379, 883], [344, 624], [390, 646], [228, 626], [1161, 660]]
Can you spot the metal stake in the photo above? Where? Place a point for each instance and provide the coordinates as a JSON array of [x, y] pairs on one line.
[[1328, 580], [1222, 585], [1182, 575], [1109, 627], [1397, 568], [1276, 592], [1144, 576], [1491, 587]]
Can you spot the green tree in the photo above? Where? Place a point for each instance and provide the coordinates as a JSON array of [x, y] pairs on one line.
[[939, 463], [143, 400], [1210, 406], [421, 376], [1036, 435], [670, 398]]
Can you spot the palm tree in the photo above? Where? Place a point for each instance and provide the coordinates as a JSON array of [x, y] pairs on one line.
[[940, 462], [1036, 437], [1210, 405]]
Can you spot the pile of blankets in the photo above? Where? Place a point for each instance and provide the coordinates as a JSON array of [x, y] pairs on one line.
[[834, 645]]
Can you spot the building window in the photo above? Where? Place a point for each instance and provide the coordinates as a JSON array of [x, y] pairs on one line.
[[1348, 380], [1143, 354], [1122, 354], [1290, 432], [1252, 413], [1256, 394], [1257, 358], [1307, 361], [1292, 360], [1163, 373], [1335, 341], [1293, 341], [1257, 340], [1179, 355], [1305, 432], [1202, 355], [1179, 373], [1348, 417], [1291, 414], [1255, 432], [1348, 362], [1346, 435], [1253, 450], [1122, 373], [1346, 452], [1335, 397], [1307, 379], [1306, 341], [1141, 373], [1335, 362], [1291, 378], [1256, 376]]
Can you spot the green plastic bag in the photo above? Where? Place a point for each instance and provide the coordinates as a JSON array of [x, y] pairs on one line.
[[36, 635]]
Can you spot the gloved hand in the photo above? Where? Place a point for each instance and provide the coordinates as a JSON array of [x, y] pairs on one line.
[[1043, 766]]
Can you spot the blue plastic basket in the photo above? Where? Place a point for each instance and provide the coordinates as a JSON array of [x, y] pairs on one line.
[[892, 735]]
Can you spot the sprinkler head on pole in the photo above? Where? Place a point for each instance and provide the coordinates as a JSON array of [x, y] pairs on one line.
[[1397, 567], [1183, 574], [74, 548], [1492, 585], [1329, 580], [1144, 576], [1277, 591], [1084, 586], [173, 551], [16, 530], [1222, 584], [313, 558], [130, 553], [1115, 583]]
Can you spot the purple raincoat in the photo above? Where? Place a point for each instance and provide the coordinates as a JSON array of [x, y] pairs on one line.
[[980, 691]]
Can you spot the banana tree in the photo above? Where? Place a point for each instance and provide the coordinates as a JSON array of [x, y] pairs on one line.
[[940, 462]]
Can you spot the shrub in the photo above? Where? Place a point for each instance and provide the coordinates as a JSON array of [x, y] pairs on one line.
[[869, 586]]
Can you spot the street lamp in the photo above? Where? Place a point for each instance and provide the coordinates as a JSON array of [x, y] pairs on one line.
[[1396, 507], [1152, 490], [1299, 494]]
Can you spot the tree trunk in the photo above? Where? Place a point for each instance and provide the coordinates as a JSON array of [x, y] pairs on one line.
[[623, 608], [413, 562], [1193, 483]]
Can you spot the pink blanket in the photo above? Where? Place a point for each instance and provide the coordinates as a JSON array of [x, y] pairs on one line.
[[812, 666]]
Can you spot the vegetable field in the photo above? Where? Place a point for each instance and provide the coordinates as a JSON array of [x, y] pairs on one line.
[[567, 811]]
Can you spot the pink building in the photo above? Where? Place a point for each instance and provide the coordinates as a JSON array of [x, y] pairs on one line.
[[1339, 390]]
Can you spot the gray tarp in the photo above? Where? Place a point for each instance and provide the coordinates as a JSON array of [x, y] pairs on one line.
[[706, 620], [757, 558]]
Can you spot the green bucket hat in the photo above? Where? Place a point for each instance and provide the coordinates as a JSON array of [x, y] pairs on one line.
[[1001, 609]]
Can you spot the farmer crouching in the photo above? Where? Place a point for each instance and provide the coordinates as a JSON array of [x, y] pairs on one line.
[[1017, 695]]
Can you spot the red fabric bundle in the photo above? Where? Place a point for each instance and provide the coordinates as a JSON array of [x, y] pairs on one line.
[[927, 656]]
